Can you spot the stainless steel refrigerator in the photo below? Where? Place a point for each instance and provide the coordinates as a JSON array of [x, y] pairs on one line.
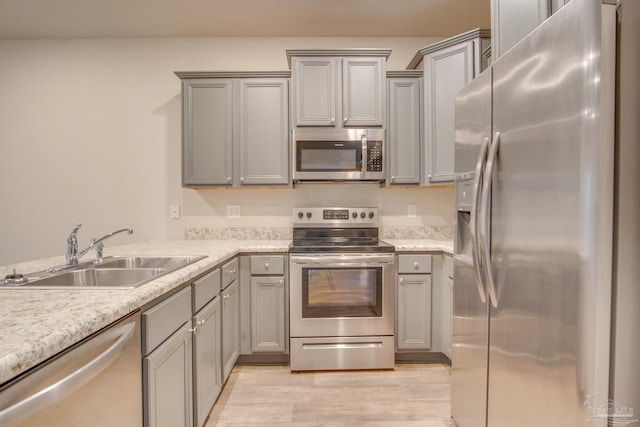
[[546, 278]]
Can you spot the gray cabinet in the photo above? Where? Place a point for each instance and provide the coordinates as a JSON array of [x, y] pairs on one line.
[[230, 305], [166, 362], [268, 304], [512, 20], [207, 378], [447, 301], [447, 66], [339, 88], [413, 302], [404, 90], [235, 128]]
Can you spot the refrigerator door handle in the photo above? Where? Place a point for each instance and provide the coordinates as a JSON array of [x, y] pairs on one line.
[[485, 222], [475, 241]]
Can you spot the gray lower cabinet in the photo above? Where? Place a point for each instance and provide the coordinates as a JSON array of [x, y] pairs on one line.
[[235, 128], [267, 314], [166, 362], [403, 127], [448, 66], [207, 378], [413, 302], [230, 305], [447, 307], [268, 302]]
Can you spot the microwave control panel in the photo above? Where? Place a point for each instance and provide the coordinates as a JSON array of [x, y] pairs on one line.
[[374, 162]]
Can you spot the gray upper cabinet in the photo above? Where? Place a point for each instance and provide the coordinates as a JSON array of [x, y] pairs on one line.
[[512, 20], [404, 90], [447, 66], [363, 92], [315, 91], [235, 128], [263, 133], [207, 142], [339, 88]]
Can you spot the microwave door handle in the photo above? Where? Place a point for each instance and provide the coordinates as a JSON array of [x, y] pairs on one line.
[[364, 156]]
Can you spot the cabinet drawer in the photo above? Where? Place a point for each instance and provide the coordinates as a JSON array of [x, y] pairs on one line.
[[160, 321], [229, 272], [268, 264], [205, 289], [448, 266], [414, 263]]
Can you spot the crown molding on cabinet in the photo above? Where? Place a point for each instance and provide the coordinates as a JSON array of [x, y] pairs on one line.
[[469, 35], [231, 74], [337, 52]]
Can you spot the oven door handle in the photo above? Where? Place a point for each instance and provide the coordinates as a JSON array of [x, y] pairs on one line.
[[343, 259]]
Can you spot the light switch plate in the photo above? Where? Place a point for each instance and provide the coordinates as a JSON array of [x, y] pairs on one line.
[[174, 211]]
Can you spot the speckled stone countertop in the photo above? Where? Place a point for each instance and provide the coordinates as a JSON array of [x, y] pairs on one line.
[[36, 324]]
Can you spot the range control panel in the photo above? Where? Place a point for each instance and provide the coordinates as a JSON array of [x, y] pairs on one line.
[[335, 217]]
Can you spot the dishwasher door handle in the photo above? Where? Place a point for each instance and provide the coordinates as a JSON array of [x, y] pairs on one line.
[[19, 411]]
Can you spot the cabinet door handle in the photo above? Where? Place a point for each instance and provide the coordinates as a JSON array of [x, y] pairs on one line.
[[242, 179], [416, 265], [228, 179], [401, 281], [333, 120], [393, 179], [280, 283], [345, 120], [201, 323], [194, 330]]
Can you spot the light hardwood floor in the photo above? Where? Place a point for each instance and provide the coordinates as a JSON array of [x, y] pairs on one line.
[[410, 395]]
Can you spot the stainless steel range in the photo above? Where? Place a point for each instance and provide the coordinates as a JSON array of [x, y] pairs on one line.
[[342, 296]]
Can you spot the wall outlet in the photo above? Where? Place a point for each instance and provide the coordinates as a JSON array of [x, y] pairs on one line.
[[233, 211], [174, 211], [411, 211]]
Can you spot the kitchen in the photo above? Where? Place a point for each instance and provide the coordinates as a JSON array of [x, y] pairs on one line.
[[75, 165]]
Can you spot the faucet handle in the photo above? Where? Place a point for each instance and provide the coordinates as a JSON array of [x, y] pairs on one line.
[[99, 248], [75, 230]]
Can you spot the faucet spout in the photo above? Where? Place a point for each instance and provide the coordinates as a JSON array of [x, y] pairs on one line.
[[72, 252]]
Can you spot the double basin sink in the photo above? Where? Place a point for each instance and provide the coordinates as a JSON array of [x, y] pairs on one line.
[[112, 273]]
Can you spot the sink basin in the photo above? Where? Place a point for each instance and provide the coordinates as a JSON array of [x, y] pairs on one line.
[[98, 278], [169, 263], [112, 273]]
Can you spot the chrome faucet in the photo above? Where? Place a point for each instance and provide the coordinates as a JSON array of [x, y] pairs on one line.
[[72, 254]]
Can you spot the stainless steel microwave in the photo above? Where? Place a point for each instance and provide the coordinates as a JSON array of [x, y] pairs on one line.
[[338, 155]]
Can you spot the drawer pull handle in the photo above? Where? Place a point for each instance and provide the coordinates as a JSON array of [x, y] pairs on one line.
[[416, 265], [266, 265]]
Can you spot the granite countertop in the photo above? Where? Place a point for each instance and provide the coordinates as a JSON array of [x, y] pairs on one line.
[[36, 324]]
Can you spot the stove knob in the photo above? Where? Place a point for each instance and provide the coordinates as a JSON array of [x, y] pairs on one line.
[[371, 215], [362, 215], [354, 215], [308, 215], [300, 215]]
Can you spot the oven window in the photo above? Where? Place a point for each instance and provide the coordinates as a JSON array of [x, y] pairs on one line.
[[341, 292]]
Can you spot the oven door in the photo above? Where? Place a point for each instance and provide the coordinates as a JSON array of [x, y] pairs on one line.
[[342, 295]]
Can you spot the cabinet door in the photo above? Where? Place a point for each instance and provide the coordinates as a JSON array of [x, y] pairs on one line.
[[207, 380], [207, 132], [512, 20], [315, 91], [230, 328], [167, 377], [446, 316], [267, 314], [414, 311], [363, 92], [263, 131], [445, 73], [404, 130]]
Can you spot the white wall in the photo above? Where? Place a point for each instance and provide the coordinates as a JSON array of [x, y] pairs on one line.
[[90, 132]]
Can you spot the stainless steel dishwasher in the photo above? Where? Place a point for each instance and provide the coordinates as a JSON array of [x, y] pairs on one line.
[[97, 382]]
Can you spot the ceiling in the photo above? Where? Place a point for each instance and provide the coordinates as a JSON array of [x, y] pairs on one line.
[[250, 18]]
